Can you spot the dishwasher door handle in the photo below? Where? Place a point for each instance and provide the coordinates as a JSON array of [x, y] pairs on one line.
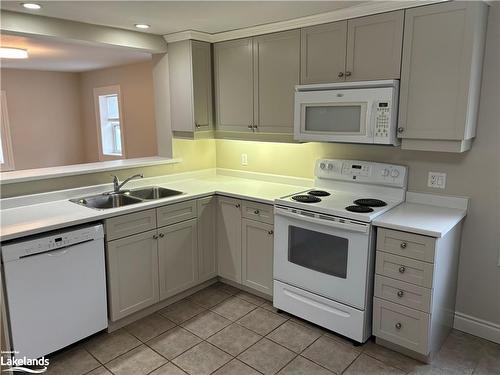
[[57, 253]]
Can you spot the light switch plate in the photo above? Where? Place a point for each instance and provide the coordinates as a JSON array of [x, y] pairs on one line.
[[436, 180], [244, 159]]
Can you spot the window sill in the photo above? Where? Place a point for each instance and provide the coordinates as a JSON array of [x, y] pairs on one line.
[[79, 169]]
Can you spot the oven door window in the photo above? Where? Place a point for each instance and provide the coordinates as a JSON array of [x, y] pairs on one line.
[[318, 251], [341, 118]]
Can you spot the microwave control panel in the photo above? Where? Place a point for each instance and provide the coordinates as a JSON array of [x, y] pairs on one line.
[[382, 119]]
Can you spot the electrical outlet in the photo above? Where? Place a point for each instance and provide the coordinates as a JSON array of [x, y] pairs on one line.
[[436, 180], [244, 159]]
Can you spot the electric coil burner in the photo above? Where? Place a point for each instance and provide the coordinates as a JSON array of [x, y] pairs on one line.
[[306, 198], [370, 202], [318, 193], [359, 209]]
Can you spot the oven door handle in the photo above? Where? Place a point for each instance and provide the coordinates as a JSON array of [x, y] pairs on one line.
[[347, 225]]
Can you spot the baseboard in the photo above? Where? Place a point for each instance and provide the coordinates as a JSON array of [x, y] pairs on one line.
[[477, 327]]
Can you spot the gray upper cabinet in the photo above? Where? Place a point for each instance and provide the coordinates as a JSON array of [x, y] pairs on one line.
[[323, 53], [276, 72], [365, 48], [234, 85], [190, 76], [441, 75], [374, 46]]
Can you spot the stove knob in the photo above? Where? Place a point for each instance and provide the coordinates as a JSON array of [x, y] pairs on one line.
[[322, 165], [330, 167], [394, 173], [385, 172]]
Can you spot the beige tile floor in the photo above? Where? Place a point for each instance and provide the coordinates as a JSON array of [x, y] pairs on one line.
[[222, 330]]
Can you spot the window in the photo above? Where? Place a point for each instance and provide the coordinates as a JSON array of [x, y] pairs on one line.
[[6, 157], [108, 113]]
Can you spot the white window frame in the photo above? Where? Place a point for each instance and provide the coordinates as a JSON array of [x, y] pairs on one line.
[[101, 91], [8, 156]]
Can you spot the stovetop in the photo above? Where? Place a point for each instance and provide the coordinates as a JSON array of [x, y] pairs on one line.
[[368, 188], [335, 204]]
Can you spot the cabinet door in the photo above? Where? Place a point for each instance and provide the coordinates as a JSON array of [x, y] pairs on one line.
[[374, 46], [202, 84], [132, 274], [276, 72], [207, 255], [229, 238], [234, 85], [435, 72], [178, 257], [323, 51], [257, 255]]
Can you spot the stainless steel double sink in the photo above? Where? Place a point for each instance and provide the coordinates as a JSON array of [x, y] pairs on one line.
[[125, 198]]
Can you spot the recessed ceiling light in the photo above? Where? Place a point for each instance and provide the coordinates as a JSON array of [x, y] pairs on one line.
[[31, 5], [13, 53], [142, 26]]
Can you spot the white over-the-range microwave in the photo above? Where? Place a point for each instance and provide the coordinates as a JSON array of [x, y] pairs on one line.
[[353, 112]]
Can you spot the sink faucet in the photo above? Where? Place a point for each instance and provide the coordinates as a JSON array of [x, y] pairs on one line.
[[117, 186]]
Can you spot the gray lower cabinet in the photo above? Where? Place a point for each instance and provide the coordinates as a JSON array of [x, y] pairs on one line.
[[229, 238], [207, 253], [132, 268], [257, 255], [233, 69], [177, 257], [441, 75], [190, 80]]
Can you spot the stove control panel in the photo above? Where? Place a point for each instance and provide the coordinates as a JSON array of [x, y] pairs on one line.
[[361, 172]]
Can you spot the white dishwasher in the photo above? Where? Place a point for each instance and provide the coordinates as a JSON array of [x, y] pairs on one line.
[[56, 289]]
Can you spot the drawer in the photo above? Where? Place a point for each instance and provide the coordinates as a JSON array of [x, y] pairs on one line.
[[406, 244], [258, 211], [176, 213], [127, 225], [404, 269], [401, 325], [405, 294]]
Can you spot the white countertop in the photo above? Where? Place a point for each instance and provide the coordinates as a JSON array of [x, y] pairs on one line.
[[41, 215], [425, 214]]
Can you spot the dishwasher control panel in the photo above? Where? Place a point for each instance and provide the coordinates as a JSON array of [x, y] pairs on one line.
[[50, 241]]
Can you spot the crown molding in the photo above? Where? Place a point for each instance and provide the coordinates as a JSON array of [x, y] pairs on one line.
[[360, 10]]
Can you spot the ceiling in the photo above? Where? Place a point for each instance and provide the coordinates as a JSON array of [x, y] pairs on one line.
[[66, 56], [166, 17]]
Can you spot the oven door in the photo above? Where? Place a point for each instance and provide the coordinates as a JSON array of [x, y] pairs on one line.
[[322, 254]]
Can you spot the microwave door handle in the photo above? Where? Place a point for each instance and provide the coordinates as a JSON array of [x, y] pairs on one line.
[[363, 228]]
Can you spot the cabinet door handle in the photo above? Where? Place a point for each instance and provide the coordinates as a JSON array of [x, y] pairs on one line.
[[403, 245], [162, 235], [197, 126], [155, 236], [256, 212], [401, 130], [250, 127], [271, 232], [254, 127], [398, 325], [402, 269], [400, 293], [340, 75], [348, 74]]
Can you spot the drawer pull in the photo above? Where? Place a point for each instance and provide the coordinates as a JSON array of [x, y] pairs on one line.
[[403, 245], [402, 269], [256, 212], [237, 205], [155, 236], [400, 293], [398, 325], [162, 235]]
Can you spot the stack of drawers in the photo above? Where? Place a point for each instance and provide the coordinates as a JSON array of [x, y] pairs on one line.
[[402, 306]]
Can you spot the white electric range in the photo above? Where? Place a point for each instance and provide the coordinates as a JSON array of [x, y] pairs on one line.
[[324, 243]]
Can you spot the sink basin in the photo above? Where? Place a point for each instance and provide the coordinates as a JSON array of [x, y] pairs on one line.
[[103, 201], [153, 192]]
